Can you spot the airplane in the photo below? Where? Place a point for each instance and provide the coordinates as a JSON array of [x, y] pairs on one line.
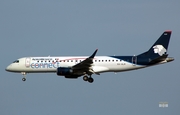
[[77, 66]]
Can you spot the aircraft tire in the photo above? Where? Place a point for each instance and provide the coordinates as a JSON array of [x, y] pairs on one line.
[[23, 79], [85, 78], [90, 80]]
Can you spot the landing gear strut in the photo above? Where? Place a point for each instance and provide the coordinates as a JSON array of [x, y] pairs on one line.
[[24, 74], [89, 79]]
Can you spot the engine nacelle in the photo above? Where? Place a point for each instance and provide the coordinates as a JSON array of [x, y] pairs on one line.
[[64, 71]]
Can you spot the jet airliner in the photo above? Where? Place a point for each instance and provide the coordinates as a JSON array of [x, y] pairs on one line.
[[77, 66]]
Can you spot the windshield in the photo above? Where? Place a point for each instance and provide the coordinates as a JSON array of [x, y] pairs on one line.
[[17, 61]]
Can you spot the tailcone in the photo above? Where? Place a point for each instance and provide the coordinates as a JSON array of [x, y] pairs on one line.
[[169, 59]]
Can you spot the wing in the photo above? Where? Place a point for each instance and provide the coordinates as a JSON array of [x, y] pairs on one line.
[[86, 65]]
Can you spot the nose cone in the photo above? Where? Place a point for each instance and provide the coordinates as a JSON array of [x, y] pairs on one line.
[[8, 68]]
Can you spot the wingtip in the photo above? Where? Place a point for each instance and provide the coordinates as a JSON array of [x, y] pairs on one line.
[[92, 56]]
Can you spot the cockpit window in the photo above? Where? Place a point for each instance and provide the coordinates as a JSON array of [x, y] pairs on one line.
[[17, 61]]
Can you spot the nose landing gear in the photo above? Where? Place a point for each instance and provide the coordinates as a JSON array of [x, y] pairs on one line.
[[24, 74]]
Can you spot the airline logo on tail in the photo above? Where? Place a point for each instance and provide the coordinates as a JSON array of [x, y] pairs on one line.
[[159, 49]]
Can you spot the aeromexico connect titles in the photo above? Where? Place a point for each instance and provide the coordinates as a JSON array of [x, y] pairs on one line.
[[77, 66]]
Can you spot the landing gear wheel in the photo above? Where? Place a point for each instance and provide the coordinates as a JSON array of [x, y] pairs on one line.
[[90, 80], [85, 78], [24, 76], [23, 79]]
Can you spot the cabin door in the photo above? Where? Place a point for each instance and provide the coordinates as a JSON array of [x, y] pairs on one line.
[[27, 62]]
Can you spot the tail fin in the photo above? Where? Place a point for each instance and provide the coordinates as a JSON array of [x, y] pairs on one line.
[[158, 51]]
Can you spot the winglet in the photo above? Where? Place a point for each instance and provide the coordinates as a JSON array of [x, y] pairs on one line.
[[92, 56], [168, 31]]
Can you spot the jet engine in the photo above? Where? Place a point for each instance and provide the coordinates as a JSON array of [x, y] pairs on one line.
[[64, 71]]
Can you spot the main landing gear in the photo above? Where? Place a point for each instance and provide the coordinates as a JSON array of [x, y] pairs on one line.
[[89, 79], [24, 74]]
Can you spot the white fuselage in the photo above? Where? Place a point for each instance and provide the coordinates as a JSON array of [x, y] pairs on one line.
[[50, 64]]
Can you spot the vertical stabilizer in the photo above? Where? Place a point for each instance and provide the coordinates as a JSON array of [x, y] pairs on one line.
[[158, 50]]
